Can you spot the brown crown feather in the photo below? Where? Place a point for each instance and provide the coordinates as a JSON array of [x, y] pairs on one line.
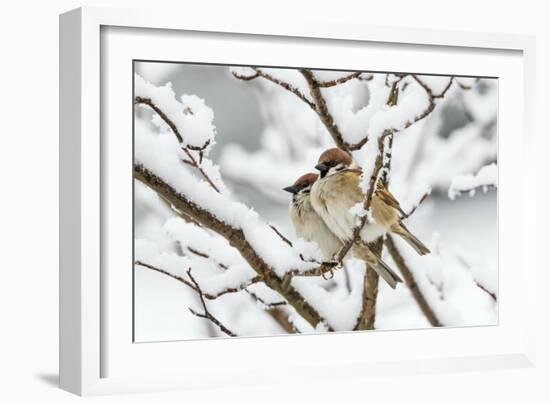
[[335, 154], [308, 178]]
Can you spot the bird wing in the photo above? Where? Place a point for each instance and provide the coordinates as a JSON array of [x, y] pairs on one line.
[[341, 194], [387, 197]]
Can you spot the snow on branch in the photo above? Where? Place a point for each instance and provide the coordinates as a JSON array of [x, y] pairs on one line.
[[245, 240], [485, 178], [158, 165], [190, 117]]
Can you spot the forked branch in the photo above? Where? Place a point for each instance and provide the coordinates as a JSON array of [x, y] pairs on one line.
[[206, 313]]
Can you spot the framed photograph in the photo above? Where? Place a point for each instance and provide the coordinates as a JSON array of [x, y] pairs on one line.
[[243, 203]]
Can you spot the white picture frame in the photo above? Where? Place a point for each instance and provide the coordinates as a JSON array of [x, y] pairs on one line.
[[97, 357]]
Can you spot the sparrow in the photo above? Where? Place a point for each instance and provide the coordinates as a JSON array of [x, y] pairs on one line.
[[307, 223], [338, 190]]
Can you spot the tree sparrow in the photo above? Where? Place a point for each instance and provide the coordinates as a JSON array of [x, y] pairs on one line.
[[307, 223], [338, 190]]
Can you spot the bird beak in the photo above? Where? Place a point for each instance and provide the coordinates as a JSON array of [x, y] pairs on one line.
[[321, 168], [291, 189]]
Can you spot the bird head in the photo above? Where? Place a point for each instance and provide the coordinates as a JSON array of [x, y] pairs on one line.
[[303, 184], [333, 160]]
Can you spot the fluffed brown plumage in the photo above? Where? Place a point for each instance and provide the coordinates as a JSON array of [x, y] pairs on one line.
[[342, 191]]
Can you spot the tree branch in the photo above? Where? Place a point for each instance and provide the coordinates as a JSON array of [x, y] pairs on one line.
[[370, 294], [207, 314], [411, 283], [320, 106], [236, 238], [415, 207], [341, 80]]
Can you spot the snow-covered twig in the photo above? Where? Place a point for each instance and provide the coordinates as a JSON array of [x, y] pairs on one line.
[[416, 205], [320, 271], [486, 177], [431, 96], [228, 290], [185, 147], [320, 106], [411, 283]]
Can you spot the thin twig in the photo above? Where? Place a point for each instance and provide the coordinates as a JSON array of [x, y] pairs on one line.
[[415, 207], [281, 83], [264, 302], [431, 98], [207, 314], [320, 106], [283, 238], [338, 81], [490, 293], [228, 290]]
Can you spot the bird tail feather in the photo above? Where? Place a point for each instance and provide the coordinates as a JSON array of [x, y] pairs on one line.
[[413, 241], [364, 253]]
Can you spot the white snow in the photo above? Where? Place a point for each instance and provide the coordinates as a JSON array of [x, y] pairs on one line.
[[485, 177], [193, 119]]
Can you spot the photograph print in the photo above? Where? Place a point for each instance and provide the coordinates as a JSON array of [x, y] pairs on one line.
[[271, 201]]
